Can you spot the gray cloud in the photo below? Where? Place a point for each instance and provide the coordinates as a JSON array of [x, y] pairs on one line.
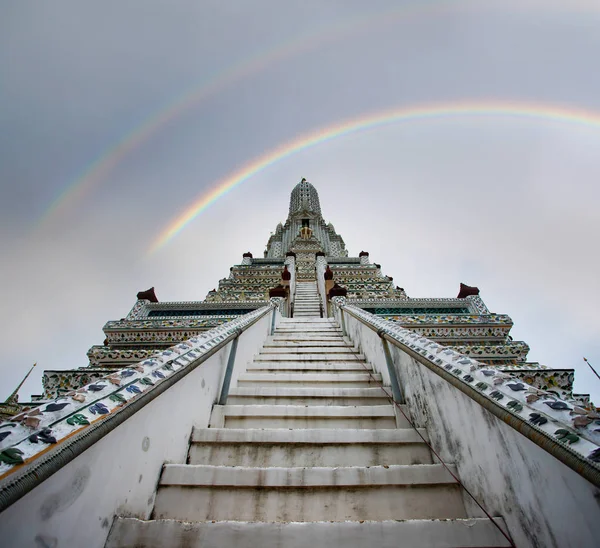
[[504, 203]]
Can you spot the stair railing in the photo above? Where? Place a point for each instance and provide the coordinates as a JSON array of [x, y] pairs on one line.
[[545, 428], [146, 380], [320, 266]]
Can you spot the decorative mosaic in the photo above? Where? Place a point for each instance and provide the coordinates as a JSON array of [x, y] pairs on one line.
[[143, 308], [405, 311], [156, 337], [29, 434], [339, 261], [451, 319], [304, 206], [195, 312], [477, 304], [160, 323], [526, 365], [458, 333], [554, 381], [571, 422], [138, 310], [56, 383], [160, 331], [304, 197], [457, 327], [515, 351], [232, 296], [474, 304], [104, 356]]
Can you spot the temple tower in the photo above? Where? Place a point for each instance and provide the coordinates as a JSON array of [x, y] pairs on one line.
[[308, 400]]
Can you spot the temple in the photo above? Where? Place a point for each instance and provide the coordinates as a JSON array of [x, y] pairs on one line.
[[307, 400], [307, 245]]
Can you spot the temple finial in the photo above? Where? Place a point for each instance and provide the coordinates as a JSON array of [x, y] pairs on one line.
[[13, 398]]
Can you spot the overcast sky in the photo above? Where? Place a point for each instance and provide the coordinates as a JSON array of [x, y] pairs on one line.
[[507, 203]]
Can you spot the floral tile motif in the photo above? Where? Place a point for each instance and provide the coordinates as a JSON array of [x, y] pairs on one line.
[[28, 434], [569, 421]]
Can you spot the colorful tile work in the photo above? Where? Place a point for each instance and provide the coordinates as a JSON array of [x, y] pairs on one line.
[[28, 434], [572, 422]]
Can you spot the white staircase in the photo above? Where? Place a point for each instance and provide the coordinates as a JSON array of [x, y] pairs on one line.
[[307, 452], [306, 302]]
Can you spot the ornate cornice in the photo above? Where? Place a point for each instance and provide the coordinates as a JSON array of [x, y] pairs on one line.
[[141, 309]]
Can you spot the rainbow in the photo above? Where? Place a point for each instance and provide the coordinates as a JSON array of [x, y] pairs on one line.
[[555, 113], [98, 170]]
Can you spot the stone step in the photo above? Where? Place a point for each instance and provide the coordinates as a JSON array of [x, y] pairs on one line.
[[321, 320], [310, 327], [339, 380], [303, 337], [204, 493], [307, 447], [306, 416], [307, 366], [300, 323], [277, 395], [298, 327], [307, 331], [467, 533], [314, 347], [303, 357]]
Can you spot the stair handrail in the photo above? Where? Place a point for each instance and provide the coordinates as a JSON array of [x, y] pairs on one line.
[[320, 266], [465, 373], [290, 261], [73, 438]]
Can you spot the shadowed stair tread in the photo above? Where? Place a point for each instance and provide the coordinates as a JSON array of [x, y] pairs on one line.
[[467, 533], [309, 436], [327, 411], [306, 368], [291, 345], [305, 356], [311, 377], [275, 477], [325, 392], [318, 335]]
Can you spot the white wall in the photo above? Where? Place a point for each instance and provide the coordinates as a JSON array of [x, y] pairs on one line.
[[75, 507], [544, 502]]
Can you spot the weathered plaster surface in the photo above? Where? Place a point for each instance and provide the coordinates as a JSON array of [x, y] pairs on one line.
[[119, 474], [545, 503]]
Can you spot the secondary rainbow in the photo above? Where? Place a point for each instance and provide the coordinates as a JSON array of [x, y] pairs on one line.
[[542, 112], [97, 171]]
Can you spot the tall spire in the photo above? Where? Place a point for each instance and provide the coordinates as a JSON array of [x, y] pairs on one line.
[[305, 198], [13, 397]]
